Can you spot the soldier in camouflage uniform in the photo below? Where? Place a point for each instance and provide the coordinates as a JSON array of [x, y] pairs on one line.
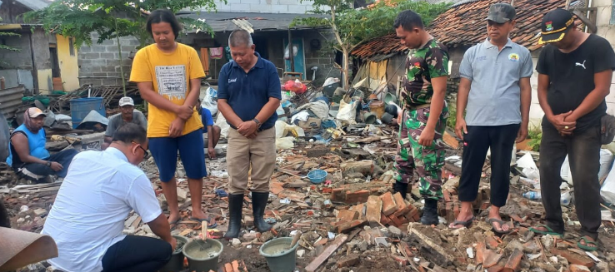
[[424, 118]]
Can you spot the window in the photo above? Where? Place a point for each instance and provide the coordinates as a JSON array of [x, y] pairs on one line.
[[71, 46]]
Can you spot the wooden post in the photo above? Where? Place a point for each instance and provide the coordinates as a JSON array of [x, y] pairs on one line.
[[290, 51]]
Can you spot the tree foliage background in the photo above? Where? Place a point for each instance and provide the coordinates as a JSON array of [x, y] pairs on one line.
[[112, 18], [351, 27]]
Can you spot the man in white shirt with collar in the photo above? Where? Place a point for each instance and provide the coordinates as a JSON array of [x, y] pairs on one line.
[[97, 195], [495, 87]]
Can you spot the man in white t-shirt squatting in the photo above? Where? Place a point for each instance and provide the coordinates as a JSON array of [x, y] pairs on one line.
[[100, 190]]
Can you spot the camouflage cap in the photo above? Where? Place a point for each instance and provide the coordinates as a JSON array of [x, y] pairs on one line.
[[501, 13]]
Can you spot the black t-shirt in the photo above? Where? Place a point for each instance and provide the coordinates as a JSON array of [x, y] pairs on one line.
[[571, 77]]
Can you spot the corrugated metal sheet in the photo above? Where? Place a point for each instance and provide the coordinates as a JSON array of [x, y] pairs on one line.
[[10, 100]]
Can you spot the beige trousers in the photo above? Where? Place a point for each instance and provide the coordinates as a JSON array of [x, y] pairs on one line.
[[243, 152]]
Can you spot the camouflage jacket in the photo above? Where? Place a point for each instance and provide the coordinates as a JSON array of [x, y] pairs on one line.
[[422, 65]]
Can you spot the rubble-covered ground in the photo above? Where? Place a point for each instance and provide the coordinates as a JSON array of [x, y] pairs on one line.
[[352, 221]]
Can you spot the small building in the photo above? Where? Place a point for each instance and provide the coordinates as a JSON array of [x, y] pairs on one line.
[[44, 62], [313, 59], [459, 28]]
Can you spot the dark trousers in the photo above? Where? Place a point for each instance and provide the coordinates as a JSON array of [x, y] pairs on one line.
[[37, 171], [583, 150], [137, 254], [477, 142]]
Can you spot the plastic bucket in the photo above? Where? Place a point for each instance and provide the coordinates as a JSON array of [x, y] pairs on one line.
[[386, 118], [81, 107], [278, 257], [203, 261], [389, 97], [369, 118], [176, 263]]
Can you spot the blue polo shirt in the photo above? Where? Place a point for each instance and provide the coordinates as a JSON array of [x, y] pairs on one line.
[[247, 93]]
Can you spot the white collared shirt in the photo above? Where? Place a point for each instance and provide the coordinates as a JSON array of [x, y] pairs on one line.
[[93, 202]]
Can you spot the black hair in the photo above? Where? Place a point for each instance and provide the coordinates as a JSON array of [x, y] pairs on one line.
[[163, 15], [240, 37], [130, 132], [408, 20]]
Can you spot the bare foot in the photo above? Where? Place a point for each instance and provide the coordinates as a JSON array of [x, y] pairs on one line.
[[462, 217], [173, 218], [496, 225], [199, 214]]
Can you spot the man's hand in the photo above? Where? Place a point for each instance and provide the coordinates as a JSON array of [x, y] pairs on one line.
[[184, 112], [56, 166], [564, 126], [173, 243], [253, 135], [247, 128], [176, 128], [461, 128], [426, 138], [211, 152], [522, 134]]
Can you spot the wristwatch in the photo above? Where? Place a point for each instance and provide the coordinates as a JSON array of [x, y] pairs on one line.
[[48, 163], [258, 123]]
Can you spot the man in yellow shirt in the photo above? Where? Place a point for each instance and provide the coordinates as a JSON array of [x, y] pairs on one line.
[[168, 75]]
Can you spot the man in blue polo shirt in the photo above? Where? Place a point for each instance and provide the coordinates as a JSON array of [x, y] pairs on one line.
[[249, 92], [495, 87]]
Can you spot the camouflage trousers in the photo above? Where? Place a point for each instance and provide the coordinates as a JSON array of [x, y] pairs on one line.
[[412, 157]]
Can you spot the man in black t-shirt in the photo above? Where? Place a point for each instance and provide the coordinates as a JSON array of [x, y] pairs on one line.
[[575, 71]]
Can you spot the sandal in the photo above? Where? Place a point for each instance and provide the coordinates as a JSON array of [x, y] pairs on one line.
[[466, 223], [589, 244], [549, 231], [502, 223], [173, 224], [208, 220]]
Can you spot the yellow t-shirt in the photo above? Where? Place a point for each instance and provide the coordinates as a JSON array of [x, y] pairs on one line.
[[170, 74]]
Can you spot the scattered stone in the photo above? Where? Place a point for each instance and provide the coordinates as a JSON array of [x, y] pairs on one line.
[[396, 232], [236, 242], [250, 236], [348, 261], [578, 268], [300, 253], [40, 212]]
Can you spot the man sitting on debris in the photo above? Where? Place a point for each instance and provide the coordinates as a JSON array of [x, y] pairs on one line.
[[495, 87], [87, 217], [128, 114], [424, 118], [212, 131], [28, 155], [249, 92], [168, 75], [575, 71]]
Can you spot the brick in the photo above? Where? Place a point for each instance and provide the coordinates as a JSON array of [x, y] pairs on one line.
[[347, 215], [347, 226], [338, 194], [228, 267], [357, 197], [326, 190], [384, 220], [374, 208], [235, 265], [388, 204], [491, 258], [399, 201], [416, 215], [491, 242], [573, 258], [360, 210], [403, 211], [514, 261], [480, 252], [395, 221], [445, 193], [450, 140], [403, 261], [578, 268], [321, 242], [495, 268], [348, 261]]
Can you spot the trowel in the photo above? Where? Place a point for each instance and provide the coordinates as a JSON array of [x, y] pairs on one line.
[[294, 242], [203, 242]]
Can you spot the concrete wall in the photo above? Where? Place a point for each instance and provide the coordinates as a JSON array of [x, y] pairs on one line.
[[15, 77], [99, 64], [69, 64], [606, 30], [10, 11], [265, 6]]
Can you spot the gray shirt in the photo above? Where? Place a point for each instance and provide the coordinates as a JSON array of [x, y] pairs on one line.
[[495, 94], [116, 121]]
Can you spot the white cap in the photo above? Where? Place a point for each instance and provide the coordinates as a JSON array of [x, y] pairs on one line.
[[126, 101]]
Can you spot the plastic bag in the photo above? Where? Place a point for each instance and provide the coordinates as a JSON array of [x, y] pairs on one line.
[[320, 108], [224, 126], [209, 101], [285, 143], [4, 138], [347, 111], [608, 187], [280, 129], [286, 53]]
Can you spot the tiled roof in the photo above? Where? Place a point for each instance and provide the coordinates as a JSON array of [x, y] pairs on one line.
[[464, 24]]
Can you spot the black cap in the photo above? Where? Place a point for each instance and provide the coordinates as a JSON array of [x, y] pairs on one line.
[[554, 25], [501, 13]]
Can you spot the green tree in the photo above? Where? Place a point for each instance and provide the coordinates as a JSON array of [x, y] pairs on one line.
[[112, 19], [351, 27], [5, 47]]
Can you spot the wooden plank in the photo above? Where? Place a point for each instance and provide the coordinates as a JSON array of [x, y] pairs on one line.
[[339, 240]]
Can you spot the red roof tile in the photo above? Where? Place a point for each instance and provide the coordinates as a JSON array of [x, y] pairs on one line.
[[464, 24]]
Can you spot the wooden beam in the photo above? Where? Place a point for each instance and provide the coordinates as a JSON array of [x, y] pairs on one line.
[[10, 27]]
